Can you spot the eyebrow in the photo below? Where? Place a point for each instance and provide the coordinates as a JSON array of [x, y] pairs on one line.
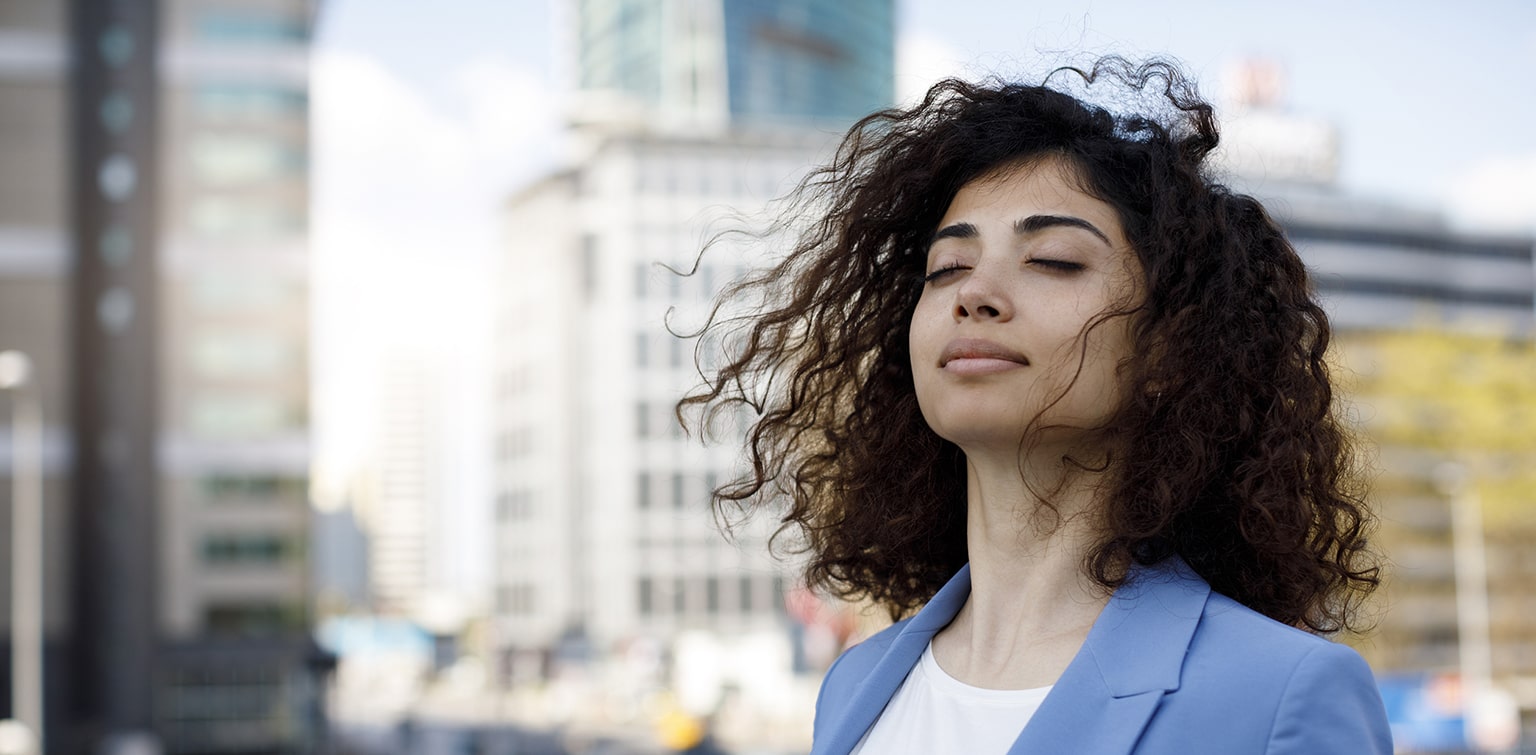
[[1023, 226], [1041, 222], [956, 231]]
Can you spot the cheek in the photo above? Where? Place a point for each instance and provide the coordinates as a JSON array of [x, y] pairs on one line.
[[1107, 349], [923, 348], [921, 342]]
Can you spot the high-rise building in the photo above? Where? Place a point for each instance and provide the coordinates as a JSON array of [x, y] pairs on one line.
[[232, 653], [603, 526], [235, 376], [34, 302], [712, 61], [397, 505], [602, 506]]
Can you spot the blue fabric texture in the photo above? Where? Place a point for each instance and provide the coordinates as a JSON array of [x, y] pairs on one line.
[[1169, 668]]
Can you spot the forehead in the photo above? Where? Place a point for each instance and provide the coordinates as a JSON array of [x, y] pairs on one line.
[[1042, 184]]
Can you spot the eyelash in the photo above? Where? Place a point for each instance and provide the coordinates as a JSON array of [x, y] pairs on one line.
[[1058, 265], [1062, 265], [943, 271]]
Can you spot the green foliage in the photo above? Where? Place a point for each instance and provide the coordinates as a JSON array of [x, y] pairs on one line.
[[1468, 397]]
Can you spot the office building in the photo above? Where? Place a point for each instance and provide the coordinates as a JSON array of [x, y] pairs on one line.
[[230, 513], [235, 376], [34, 317], [602, 509], [708, 62], [603, 526]]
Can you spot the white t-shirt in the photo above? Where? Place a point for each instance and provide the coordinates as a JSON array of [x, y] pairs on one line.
[[934, 712]]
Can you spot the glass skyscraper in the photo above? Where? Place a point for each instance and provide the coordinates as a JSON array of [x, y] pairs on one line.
[[739, 60]]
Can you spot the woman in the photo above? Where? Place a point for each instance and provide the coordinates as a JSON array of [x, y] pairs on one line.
[[1031, 370]]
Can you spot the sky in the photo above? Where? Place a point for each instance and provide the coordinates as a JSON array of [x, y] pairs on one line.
[[1433, 99], [426, 116]]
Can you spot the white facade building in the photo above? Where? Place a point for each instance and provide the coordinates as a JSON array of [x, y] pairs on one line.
[[603, 516]]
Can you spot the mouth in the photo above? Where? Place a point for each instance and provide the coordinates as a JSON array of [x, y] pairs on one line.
[[975, 354]]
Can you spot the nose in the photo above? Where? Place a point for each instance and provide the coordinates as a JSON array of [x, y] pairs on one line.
[[981, 297]]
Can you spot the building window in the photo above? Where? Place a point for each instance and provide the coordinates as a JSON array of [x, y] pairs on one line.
[[642, 420], [252, 618], [642, 280], [226, 488], [201, 697], [243, 219], [679, 596], [712, 595], [744, 594], [230, 354], [226, 26], [643, 490], [227, 100], [225, 160], [523, 599], [589, 263], [225, 292], [642, 346], [675, 352], [247, 550], [679, 490], [227, 415], [516, 505], [644, 592]]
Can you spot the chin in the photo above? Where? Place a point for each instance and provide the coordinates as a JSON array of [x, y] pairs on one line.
[[981, 432], [979, 429]]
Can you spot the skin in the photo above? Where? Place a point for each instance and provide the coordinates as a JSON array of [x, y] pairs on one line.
[[1022, 264]]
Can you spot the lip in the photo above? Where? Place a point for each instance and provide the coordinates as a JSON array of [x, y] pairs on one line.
[[977, 355]]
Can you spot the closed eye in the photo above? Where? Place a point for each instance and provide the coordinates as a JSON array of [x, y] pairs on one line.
[[942, 272], [1054, 264]]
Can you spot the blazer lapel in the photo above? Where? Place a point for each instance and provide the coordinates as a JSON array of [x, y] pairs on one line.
[[872, 694], [1132, 657]]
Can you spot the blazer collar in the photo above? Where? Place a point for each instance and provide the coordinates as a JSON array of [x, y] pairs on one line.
[[871, 695], [1133, 654]]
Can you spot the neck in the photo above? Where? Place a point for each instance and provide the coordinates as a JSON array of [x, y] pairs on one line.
[[1031, 604]]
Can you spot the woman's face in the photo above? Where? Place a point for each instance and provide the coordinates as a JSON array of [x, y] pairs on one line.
[[1021, 263]]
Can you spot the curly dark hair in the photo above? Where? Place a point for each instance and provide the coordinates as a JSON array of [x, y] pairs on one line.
[[1230, 453]]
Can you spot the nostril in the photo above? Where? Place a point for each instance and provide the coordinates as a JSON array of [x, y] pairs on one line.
[[988, 311]]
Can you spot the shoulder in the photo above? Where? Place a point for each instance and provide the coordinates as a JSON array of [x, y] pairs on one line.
[[1299, 692], [1227, 625], [851, 668]]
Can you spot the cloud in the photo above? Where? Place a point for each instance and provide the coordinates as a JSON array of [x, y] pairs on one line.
[[425, 173], [1496, 194], [407, 189], [382, 155], [921, 60], [511, 117]]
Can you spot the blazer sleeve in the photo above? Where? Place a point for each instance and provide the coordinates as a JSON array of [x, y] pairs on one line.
[[1330, 705], [824, 699]]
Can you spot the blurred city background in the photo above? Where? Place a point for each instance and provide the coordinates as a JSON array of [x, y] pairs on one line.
[[336, 390]]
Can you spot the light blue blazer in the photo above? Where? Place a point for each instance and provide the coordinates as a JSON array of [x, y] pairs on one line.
[[1169, 668]]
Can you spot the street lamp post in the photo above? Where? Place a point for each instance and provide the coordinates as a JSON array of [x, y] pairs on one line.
[[1492, 716], [27, 544]]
